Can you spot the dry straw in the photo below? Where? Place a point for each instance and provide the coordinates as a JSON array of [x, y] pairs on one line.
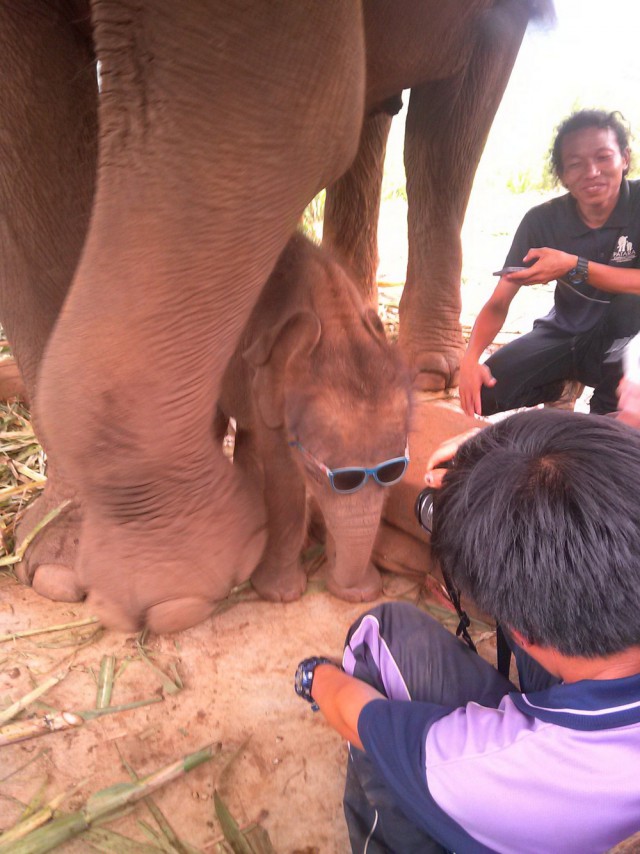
[[22, 474]]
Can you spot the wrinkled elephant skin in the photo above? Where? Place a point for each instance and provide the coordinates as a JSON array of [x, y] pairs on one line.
[[132, 258], [314, 379]]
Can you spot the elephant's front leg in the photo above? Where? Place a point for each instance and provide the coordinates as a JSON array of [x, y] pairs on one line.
[[48, 151], [202, 176], [279, 575]]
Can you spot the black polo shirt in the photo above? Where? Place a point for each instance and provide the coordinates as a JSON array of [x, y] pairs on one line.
[[557, 224]]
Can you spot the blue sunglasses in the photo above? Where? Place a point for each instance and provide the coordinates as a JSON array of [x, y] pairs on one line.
[[353, 478]]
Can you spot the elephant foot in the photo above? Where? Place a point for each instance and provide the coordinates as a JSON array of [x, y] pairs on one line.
[[433, 370], [279, 584], [367, 588], [174, 615], [166, 571], [49, 564]]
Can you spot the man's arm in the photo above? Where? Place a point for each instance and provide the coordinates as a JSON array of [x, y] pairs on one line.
[[341, 699], [552, 264], [489, 322]]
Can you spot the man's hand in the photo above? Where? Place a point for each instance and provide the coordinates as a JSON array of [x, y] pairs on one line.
[[550, 264], [473, 376], [442, 454]]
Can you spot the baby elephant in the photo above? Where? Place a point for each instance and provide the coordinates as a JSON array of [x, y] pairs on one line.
[[322, 404]]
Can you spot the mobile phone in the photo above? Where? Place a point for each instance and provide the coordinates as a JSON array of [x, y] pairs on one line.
[[506, 270]]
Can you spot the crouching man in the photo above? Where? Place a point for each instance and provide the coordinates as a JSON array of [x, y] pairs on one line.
[[538, 522]]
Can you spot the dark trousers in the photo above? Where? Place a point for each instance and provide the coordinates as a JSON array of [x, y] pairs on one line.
[[533, 368], [407, 655]]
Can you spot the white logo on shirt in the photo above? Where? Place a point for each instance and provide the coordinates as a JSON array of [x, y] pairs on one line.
[[624, 251]]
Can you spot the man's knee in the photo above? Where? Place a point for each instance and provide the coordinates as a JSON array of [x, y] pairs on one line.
[[623, 316], [388, 620], [505, 395]]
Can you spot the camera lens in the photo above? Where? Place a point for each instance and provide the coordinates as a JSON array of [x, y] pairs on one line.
[[424, 509]]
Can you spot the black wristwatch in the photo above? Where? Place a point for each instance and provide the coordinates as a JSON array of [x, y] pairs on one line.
[[304, 678], [580, 273]]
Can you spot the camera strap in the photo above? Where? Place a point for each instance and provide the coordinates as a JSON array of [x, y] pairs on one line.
[[503, 650], [454, 595]]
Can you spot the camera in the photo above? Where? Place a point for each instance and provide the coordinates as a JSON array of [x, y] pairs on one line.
[[424, 503], [424, 509]]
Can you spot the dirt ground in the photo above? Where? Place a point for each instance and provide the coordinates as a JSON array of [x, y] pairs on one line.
[[275, 762]]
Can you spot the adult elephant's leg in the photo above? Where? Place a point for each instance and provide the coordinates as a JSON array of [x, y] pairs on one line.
[[448, 123], [352, 207], [48, 150], [218, 123]]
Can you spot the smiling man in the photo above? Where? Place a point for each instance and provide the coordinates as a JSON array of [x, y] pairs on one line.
[[588, 241]]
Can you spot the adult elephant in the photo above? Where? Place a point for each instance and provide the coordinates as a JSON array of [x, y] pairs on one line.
[[132, 257], [138, 227], [456, 60]]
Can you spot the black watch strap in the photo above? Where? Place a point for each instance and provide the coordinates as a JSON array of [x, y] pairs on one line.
[[304, 678], [580, 273]]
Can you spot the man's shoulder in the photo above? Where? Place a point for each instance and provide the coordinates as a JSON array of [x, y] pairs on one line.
[[634, 191], [556, 206], [545, 223]]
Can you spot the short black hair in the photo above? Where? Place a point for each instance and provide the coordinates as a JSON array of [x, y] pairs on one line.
[[537, 521], [582, 119]]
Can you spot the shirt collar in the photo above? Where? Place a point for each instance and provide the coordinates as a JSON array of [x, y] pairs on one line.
[[590, 704], [618, 218]]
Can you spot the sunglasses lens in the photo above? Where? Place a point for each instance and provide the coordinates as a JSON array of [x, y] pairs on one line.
[[391, 472], [348, 480]]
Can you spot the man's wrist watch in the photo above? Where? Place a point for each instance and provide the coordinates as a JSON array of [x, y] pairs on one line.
[[579, 274], [304, 678]]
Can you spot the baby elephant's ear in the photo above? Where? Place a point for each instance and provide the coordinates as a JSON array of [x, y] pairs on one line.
[[373, 323], [294, 338]]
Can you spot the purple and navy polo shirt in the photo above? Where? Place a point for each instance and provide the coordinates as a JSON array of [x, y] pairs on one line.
[[551, 771]]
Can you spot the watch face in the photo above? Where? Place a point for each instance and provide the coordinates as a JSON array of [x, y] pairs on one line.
[[302, 680]]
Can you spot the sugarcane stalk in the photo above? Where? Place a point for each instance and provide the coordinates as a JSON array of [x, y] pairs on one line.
[[44, 724], [37, 819], [105, 681], [23, 702], [103, 803]]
